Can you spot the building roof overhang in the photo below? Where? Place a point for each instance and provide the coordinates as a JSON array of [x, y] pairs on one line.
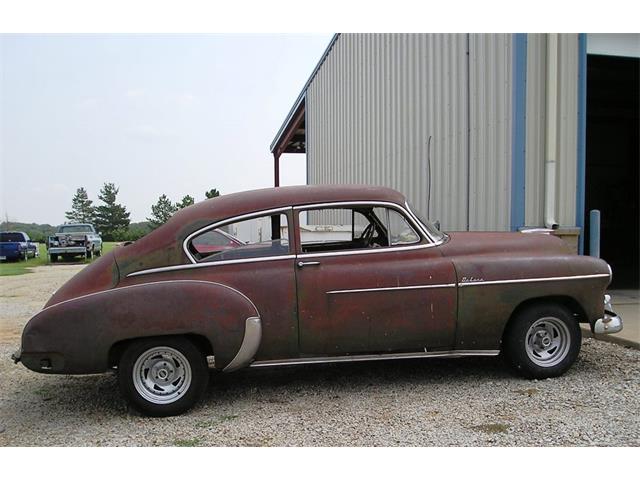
[[292, 134]]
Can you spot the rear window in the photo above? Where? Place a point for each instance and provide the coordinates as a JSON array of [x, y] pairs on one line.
[[11, 237], [262, 236]]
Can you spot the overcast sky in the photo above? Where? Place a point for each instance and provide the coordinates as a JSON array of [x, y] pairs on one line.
[[174, 114]]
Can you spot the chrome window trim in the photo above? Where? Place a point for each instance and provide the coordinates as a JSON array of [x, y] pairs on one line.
[[238, 218], [424, 235], [419, 222], [340, 253], [260, 213], [145, 284], [531, 280], [188, 266], [382, 356], [386, 289]]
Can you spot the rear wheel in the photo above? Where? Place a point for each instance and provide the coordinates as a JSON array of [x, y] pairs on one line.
[[164, 376], [542, 341]]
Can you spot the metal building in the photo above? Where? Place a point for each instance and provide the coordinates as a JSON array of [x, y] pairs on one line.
[[480, 131]]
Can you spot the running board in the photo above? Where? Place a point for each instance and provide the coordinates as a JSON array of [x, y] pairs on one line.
[[381, 356]]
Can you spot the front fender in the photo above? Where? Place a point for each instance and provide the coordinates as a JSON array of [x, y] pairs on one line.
[[77, 334]]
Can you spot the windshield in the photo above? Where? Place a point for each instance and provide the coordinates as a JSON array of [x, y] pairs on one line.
[[75, 229], [436, 234]]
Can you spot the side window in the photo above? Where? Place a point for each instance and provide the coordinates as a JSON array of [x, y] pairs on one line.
[[351, 228], [401, 232], [264, 236]]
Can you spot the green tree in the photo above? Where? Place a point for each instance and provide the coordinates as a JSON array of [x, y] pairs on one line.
[[161, 211], [82, 210], [187, 200], [137, 231], [212, 193], [111, 219]]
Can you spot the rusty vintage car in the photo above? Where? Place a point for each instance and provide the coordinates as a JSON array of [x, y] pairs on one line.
[[313, 274]]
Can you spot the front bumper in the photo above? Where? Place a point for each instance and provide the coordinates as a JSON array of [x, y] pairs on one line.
[[611, 322], [63, 250]]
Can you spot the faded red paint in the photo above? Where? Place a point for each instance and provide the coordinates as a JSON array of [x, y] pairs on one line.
[[103, 305]]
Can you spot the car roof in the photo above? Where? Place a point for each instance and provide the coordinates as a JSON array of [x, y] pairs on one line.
[[234, 204]]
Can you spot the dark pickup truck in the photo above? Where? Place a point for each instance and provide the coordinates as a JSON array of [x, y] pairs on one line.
[[16, 245]]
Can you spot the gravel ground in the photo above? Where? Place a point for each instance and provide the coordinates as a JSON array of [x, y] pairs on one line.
[[464, 402]]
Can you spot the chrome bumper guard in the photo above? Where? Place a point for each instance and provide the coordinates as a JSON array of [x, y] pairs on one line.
[[611, 322]]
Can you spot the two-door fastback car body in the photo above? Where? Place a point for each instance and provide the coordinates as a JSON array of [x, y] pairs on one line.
[[313, 274]]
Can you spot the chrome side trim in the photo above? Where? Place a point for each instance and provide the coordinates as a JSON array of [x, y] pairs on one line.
[[143, 285], [249, 346], [385, 289], [187, 266], [531, 280], [382, 356], [237, 218]]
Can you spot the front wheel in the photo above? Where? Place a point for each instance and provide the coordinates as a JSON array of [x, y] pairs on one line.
[[542, 341], [162, 377]]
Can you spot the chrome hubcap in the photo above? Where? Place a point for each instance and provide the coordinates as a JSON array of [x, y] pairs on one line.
[[547, 341], [162, 375]]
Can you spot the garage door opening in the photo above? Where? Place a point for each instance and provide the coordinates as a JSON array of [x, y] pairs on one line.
[[612, 157]]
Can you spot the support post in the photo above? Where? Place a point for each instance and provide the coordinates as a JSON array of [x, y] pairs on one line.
[[276, 169], [594, 233]]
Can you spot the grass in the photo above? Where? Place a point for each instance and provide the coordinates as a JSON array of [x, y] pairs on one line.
[[191, 442], [20, 267]]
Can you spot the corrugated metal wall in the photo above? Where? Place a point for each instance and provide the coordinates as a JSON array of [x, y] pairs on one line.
[[373, 106], [490, 113], [535, 128], [377, 99]]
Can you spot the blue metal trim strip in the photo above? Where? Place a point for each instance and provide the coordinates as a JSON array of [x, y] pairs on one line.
[[582, 138], [518, 144]]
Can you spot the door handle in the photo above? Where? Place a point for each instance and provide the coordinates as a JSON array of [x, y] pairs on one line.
[[304, 264]]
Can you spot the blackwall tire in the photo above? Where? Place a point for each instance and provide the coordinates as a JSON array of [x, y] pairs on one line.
[[53, 257], [162, 376], [542, 341]]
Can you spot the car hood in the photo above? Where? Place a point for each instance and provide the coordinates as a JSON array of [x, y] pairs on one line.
[[503, 243]]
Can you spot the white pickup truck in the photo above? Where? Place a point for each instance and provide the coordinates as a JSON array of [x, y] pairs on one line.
[[74, 239]]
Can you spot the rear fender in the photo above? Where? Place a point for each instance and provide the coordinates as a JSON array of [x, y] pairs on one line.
[[79, 333]]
